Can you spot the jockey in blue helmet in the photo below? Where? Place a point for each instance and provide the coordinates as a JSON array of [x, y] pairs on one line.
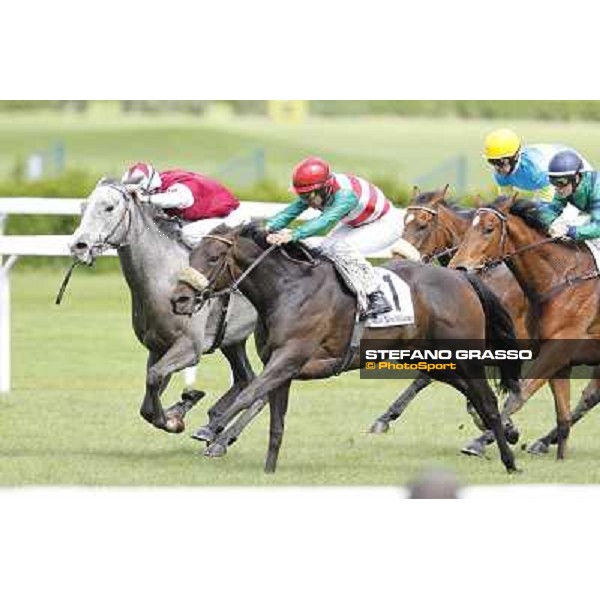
[[578, 187]]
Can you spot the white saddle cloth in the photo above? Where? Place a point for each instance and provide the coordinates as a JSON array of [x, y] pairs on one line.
[[397, 293]]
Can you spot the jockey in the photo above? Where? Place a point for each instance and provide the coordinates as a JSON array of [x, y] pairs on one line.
[[363, 221], [522, 168], [200, 202], [578, 187]]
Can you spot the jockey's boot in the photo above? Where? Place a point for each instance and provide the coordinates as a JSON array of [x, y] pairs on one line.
[[378, 304]]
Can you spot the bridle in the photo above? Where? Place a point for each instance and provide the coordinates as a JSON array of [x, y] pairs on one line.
[[107, 242], [508, 259], [102, 244], [436, 254], [207, 293], [504, 256]]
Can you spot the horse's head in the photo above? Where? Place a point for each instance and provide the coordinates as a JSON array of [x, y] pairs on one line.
[[106, 220], [488, 239], [215, 263], [210, 271], [423, 226]]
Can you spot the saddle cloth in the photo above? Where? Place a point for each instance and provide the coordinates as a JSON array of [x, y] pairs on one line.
[[594, 247], [397, 293]]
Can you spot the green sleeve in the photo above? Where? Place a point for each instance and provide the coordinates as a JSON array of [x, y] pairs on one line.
[[343, 202], [548, 212], [591, 229], [286, 216]]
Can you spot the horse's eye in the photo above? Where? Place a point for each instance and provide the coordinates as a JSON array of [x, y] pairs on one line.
[[110, 208], [423, 226]]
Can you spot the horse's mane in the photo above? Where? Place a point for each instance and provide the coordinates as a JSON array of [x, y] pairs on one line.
[[255, 230], [527, 210], [296, 252], [167, 225]]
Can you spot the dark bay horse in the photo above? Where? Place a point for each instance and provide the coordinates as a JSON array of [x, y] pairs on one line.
[[305, 319], [562, 287], [436, 227]]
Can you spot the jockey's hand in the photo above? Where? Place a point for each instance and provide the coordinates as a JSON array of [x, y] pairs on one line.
[[558, 230], [142, 196], [280, 237]]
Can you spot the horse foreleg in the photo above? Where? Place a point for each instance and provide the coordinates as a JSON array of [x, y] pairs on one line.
[[180, 355], [382, 423], [243, 374], [282, 367]]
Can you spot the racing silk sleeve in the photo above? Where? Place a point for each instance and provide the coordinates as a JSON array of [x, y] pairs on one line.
[[177, 196], [286, 216], [591, 229], [343, 202], [548, 212]]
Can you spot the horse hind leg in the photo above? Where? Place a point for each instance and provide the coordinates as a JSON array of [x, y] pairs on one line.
[[484, 401], [278, 404], [382, 423]]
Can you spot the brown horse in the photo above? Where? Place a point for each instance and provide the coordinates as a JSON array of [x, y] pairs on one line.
[[436, 228], [562, 287], [306, 318]]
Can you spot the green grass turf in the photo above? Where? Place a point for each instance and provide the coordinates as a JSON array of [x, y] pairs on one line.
[[78, 373], [392, 147]]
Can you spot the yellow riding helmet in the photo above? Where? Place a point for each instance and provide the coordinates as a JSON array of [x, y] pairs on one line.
[[502, 143]]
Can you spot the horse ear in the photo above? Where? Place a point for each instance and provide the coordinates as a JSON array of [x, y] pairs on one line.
[[440, 195], [416, 192], [478, 201], [512, 200]]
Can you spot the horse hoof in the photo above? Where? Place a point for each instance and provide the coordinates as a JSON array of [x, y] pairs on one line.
[[215, 450], [379, 427], [174, 424], [538, 448], [204, 434], [474, 449]]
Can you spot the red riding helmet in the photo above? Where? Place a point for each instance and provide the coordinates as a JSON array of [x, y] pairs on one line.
[[311, 174]]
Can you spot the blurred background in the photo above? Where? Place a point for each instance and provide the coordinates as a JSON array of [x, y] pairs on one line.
[[60, 148]]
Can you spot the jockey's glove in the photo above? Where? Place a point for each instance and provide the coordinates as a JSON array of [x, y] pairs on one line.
[[558, 230]]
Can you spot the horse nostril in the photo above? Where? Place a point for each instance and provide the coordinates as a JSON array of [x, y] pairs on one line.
[[80, 246], [461, 268]]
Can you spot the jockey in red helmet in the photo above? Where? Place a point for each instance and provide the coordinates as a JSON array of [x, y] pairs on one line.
[[361, 216], [200, 202]]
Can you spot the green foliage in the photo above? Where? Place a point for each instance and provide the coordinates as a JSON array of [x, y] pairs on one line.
[[547, 110]]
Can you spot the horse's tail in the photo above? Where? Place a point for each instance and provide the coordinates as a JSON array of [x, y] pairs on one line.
[[499, 333]]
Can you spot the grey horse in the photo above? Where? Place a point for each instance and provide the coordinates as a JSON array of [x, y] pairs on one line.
[[151, 258]]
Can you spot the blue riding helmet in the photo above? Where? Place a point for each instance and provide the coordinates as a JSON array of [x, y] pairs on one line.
[[565, 163]]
